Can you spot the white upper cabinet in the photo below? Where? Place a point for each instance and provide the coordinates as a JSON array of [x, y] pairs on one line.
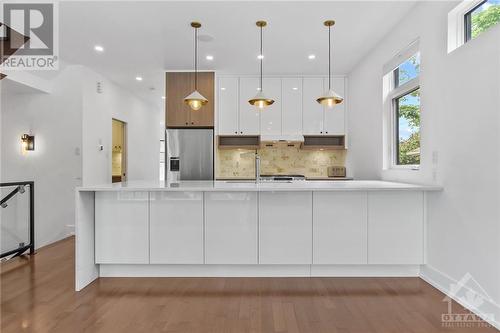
[[270, 117], [249, 115], [334, 121], [291, 106], [228, 106], [295, 109], [312, 111]]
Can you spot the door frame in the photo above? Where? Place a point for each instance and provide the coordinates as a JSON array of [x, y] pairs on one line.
[[124, 170]]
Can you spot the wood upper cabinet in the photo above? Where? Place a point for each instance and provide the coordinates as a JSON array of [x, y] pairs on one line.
[[179, 85]]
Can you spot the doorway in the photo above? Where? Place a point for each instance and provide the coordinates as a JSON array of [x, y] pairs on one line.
[[119, 151]]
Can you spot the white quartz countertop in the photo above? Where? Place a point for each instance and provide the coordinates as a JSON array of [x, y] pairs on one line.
[[247, 186]]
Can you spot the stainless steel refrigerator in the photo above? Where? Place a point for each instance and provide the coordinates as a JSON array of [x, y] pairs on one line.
[[190, 154]]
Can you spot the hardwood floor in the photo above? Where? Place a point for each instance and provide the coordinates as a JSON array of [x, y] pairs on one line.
[[37, 295]]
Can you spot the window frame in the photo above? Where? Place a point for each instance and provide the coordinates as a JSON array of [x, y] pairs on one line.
[[467, 21], [394, 93], [395, 127]]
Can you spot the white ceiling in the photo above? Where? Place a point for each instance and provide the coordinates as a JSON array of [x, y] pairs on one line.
[[146, 38]]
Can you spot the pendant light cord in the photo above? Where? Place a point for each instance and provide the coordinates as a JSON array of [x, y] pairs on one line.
[[261, 59], [329, 59], [195, 58]]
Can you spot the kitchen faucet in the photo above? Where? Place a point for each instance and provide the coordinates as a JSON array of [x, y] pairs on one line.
[[256, 156]]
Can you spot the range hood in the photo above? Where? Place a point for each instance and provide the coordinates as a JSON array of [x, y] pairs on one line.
[[282, 138]]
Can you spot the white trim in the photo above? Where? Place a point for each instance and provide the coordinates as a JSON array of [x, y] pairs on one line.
[[259, 270], [443, 282], [391, 93], [403, 55], [456, 28]]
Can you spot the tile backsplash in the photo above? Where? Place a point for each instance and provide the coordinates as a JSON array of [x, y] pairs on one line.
[[277, 160]]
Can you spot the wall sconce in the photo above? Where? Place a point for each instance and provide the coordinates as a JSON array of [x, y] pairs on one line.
[[28, 142]]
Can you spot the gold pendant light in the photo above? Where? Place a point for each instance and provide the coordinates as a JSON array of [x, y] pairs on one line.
[[195, 100], [260, 100], [330, 98]]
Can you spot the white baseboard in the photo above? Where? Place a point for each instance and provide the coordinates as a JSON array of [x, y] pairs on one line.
[[108, 270], [365, 270], [442, 282]]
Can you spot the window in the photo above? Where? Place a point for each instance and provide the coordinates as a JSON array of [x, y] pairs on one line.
[[480, 18], [407, 71], [407, 121], [402, 110]]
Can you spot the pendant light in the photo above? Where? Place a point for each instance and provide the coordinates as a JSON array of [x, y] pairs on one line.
[[195, 100], [260, 100], [330, 98]]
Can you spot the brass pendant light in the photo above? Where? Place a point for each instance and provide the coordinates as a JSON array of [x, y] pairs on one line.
[[330, 98], [195, 100], [260, 100]]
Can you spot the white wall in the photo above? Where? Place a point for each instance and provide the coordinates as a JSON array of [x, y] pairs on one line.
[[68, 124], [460, 121], [54, 119], [143, 137]]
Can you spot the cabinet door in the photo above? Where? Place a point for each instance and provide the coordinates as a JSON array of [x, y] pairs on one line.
[[395, 227], [340, 227], [121, 228], [204, 117], [270, 117], [178, 85], [228, 106], [249, 118], [285, 227], [291, 106], [231, 227], [176, 228], [335, 117], [312, 111]]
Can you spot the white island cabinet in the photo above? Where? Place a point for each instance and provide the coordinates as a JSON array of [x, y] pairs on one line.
[[340, 228], [396, 227], [121, 227], [207, 228], [231, 228], [176, 228], [285, 227]]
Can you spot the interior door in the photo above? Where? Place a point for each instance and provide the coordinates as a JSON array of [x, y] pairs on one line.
[[118, 151]]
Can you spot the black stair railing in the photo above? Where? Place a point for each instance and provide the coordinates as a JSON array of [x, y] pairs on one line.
[[20, 187]]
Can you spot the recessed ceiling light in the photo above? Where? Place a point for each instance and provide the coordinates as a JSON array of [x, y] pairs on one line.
[[99, 48], [260, 56], [311, 56], [162, 97], [209, 57], [138, 78], [295, 88], [222, 88]]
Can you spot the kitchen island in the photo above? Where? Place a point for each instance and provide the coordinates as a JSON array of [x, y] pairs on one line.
[[231, 228]]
